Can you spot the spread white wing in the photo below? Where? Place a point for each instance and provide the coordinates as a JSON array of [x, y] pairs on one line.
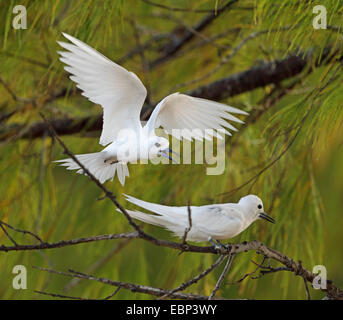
[[194, 115], [120, 92]]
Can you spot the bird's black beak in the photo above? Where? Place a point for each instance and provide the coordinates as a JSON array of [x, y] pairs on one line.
[[165, 153], [264, 216]]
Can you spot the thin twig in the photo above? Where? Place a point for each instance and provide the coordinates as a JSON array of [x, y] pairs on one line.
[[126, 285], [307, 290], [331, 290], [55, 295], [66, 243], [194, 280], [95, 180], [180, 22], [247, 80], [12, 94], [250, 273], [144, 61], [293, 139], [227, 58], [113, 294], [99, 263], [187, 229], [7, 234], [222, 276], [23, 231], [162, 6], [174, 46], [41, 183]]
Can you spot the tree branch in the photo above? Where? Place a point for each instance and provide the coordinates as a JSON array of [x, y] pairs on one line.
[[253, 78], [331, 290], [292, 266], [177, 43], [126, 285], [222, 276], [194, 280], [162, 6]]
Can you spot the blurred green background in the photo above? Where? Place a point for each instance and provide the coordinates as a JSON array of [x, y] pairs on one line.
[[302, 190]]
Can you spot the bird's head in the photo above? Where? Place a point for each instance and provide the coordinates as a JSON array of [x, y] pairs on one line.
[[159, 146], [253, 208]]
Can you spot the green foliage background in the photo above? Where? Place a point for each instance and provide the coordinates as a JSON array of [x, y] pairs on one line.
[[302, 190]]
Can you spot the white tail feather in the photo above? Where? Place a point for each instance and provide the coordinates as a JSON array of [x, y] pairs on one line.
[[95, 163], [166, 211], [148, 218], [163, 219]]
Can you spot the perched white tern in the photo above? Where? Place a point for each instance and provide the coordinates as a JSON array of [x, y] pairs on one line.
[[209, 222]]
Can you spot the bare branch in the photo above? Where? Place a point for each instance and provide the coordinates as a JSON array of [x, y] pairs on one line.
[[162, 6], [250, 273], [297, 268], [145, 64], [256, 77], [55, 295], [126, 285], [268, 269], [22, 231], [264, 74], [331, 290], [102, 261], [308, 295], [177, 43], [108, 194], [113, 294], [194, 280], [222, 276], [12, 94], [184, 239], [73, 297], [7, 234], [66, 243], [228, 57], [316, 92]]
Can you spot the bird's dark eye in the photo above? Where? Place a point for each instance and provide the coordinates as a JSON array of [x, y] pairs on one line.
[[259, 206], [157, 144]]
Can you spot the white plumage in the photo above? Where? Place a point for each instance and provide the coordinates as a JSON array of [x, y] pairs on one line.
[[121, 95], [215, 221]]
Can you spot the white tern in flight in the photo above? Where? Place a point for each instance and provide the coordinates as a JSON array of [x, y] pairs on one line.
[[121, 95], [209, 222]]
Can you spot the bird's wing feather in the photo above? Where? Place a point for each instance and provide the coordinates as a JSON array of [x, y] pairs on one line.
[[180, 111], [120, 92], [219, 221]]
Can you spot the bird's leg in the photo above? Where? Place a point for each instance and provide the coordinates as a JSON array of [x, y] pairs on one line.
[[225, 246], [215, 245], [219, 246]]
